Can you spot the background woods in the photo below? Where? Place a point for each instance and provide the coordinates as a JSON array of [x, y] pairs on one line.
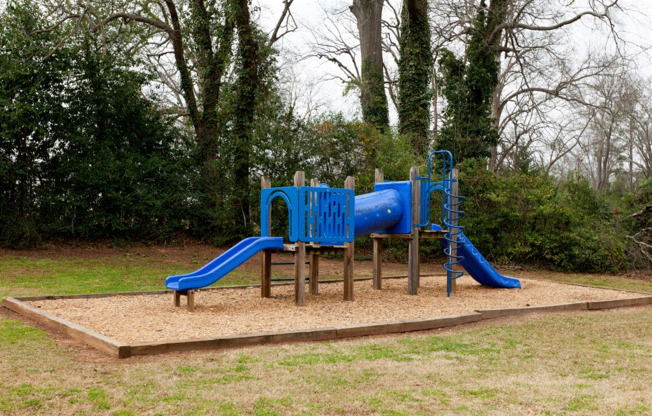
[[154, 120]]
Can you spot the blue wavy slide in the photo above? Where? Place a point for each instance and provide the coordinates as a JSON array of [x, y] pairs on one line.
[[224, 264], [477, 266]]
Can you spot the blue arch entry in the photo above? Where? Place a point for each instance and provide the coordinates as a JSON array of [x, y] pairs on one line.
[[289, 194]]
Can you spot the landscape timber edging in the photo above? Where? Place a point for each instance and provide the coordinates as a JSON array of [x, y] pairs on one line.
[[559, 307], [122, 350], [308, 335], [638, 292], [71, 329], [619, 303]]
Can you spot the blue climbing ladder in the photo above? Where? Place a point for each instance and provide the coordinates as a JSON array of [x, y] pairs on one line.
[[457, 247], [450, 212]]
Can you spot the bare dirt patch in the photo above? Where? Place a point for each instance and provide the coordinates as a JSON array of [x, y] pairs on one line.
[[232, 311]]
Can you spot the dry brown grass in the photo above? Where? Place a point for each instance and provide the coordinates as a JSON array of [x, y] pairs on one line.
[[588, 363]]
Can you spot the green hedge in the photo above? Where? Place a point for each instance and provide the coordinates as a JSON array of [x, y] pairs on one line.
[[528, 218]]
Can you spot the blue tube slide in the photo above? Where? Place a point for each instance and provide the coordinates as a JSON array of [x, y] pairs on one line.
[[224, 264], [377, 211], [477, 266]]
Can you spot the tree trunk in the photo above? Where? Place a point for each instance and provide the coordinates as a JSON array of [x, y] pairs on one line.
[[497, 16], [435, 111], [368, 14], [415, 69], [495, 115], [211, 69], [243, 118]]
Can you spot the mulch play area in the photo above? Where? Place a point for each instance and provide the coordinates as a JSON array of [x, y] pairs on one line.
[[227, 317]]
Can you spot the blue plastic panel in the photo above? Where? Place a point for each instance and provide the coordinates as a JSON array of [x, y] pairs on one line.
[[290, 194], [404, 188], [326, 215]]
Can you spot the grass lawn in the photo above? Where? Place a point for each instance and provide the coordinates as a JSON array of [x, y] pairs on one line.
[[588, 363]]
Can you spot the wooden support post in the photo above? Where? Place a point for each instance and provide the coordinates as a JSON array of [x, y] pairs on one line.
[[314, 257], [378, 247], [413, 252], [190, 296], [266, 274], [349, 247], [266, 256], [300, 256], [455, 205], [314, 274], [191, 300], [177, 298]]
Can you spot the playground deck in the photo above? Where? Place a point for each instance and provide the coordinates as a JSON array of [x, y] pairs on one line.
[[241, 311]]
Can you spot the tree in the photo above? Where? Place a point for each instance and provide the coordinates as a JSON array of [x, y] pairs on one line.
[[541, 74], [373, 100], [468, 84], [201, 37], [82, 152], [31, 117], [615, 152], [415, 68]]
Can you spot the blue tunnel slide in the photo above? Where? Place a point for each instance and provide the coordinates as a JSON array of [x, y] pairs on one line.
[[382, 211]]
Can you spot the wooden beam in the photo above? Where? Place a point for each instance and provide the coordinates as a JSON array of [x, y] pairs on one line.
[[71, 329], [266, 274], [378, 247], [190, 294], [349, 183], [300, 256], [190, 297], [177, 298], [379, 176], [377, 263], [413, 251], [265, 255]]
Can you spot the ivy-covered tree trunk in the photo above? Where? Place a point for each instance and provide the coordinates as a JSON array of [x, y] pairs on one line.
[[243, 118], [468, 85], [415, 69], [368, 14]]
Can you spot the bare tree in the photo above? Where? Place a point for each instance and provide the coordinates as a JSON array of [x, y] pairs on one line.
[[533, 44], [617, 120]]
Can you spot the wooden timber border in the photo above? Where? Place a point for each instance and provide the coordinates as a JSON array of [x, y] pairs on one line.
[[125, 350]]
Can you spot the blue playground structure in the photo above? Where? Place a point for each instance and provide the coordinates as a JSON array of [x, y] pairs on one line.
[[324, 219]]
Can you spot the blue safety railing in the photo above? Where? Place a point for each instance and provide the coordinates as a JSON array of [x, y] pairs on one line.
[[316, 214], [326, 215], [450, 212]]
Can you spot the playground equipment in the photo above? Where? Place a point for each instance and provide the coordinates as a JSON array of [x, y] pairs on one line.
[[324, 219]]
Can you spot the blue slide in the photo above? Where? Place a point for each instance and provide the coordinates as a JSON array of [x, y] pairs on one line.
[[477, 266], [223, 264], [480, 269]]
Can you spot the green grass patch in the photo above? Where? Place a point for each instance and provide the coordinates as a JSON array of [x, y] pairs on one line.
[[599, 280]]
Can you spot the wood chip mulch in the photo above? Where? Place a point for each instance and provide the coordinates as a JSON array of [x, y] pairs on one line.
[[152, 318]]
